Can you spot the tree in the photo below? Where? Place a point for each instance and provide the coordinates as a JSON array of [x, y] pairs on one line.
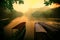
[[49, 2], [5, 15], [6, 8], [9, 3]]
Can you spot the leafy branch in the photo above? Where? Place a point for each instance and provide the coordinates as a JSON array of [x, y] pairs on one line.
[[9, 3], [49, 2]]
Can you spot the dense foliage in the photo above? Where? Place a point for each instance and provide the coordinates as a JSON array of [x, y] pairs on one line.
[[49, 2], [9, 3]]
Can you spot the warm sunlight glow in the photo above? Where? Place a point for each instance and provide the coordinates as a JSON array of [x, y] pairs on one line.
[[20, 7], [54, 5], [28, 4]]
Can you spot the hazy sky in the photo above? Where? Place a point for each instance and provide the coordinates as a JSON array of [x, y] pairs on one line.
[[29, 4]]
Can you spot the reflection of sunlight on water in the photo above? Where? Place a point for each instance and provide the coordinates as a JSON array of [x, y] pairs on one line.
[[29, 25]]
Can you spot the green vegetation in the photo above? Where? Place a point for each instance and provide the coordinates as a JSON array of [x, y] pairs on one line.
[[9, 3], [49, 2]]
